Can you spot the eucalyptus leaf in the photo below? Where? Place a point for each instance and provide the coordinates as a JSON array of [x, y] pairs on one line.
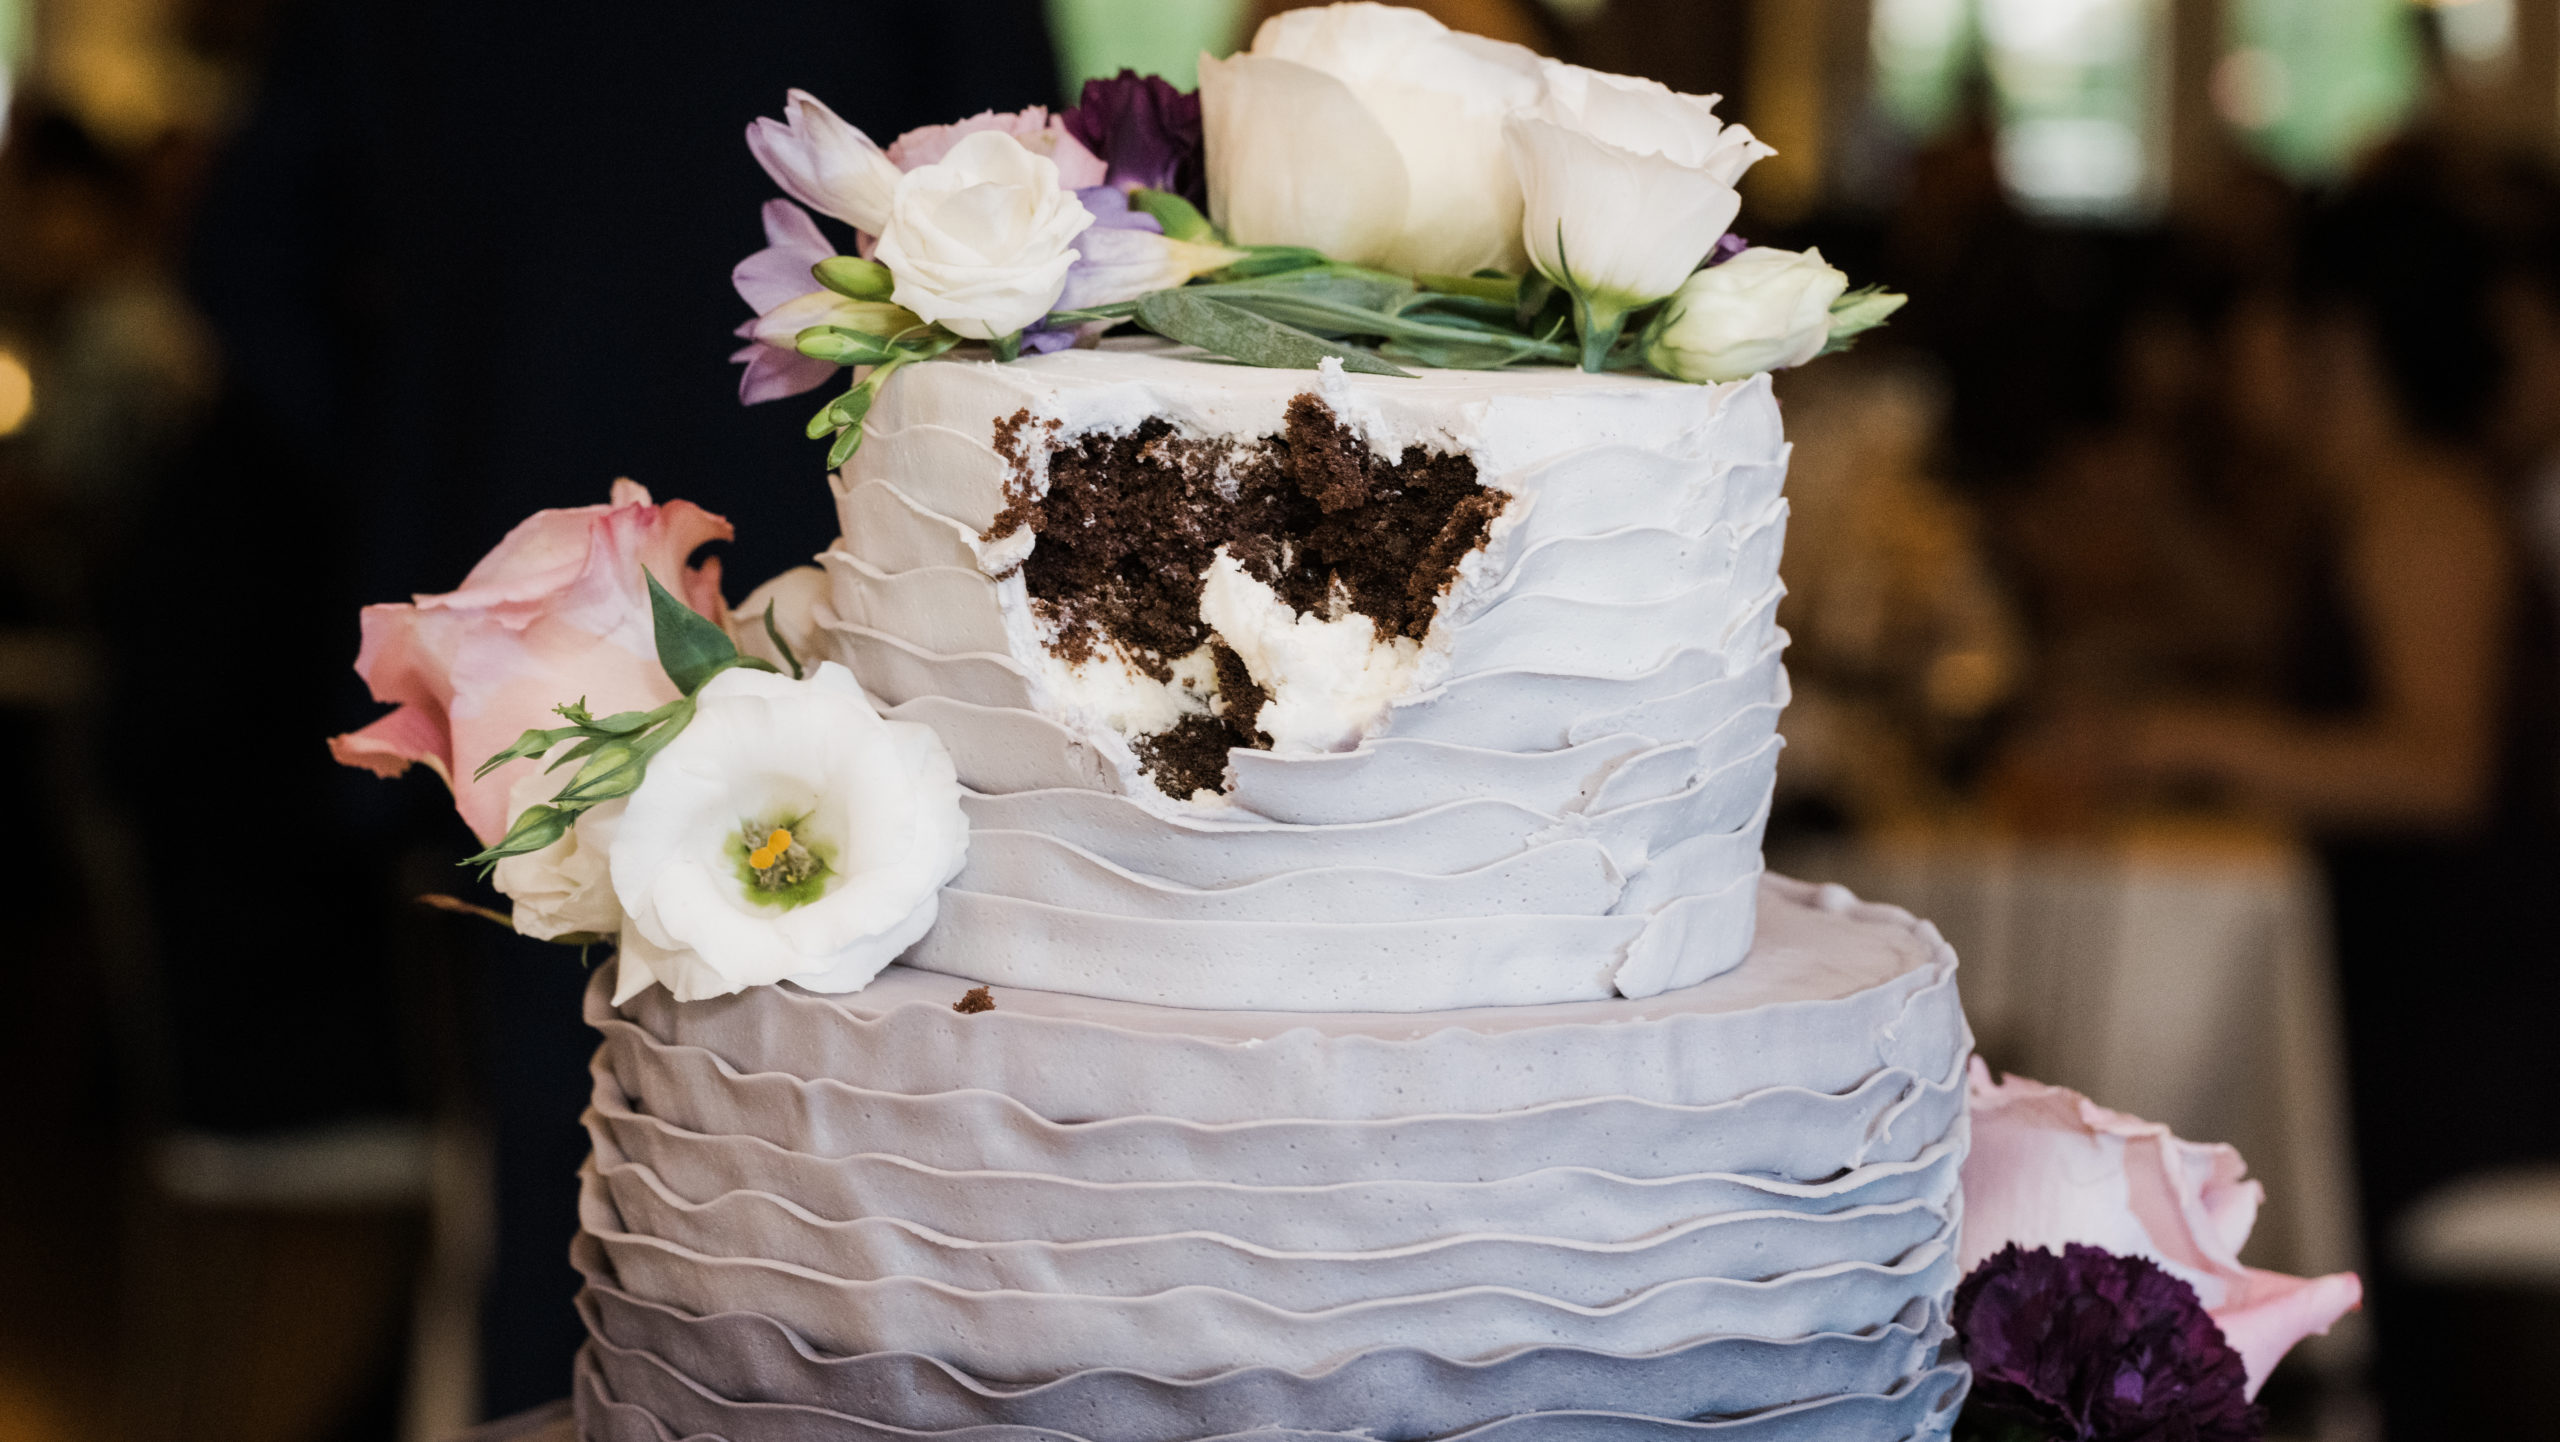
[[1214, 325], [690, 647], [854, 278], [1179, 217]]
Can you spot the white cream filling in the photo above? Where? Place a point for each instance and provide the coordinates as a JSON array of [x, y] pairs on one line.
[[1105, 691], [1329, 679]]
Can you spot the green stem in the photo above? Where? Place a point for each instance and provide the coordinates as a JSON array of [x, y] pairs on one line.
[[1599, 324], [1007, 347]]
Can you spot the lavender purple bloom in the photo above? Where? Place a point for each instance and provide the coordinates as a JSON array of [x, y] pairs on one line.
[[2093, 1347], [767, 280], [1147, 133]]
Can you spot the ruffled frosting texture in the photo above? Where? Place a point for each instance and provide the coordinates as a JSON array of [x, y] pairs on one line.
[[1729, 1210], [1562, 800]]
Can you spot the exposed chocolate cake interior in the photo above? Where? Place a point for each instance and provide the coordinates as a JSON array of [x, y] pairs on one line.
[[1130, 522]]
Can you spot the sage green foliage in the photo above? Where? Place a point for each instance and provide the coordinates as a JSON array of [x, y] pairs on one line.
[[613, 753]]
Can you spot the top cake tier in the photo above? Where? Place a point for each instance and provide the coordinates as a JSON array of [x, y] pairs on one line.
[[1314, 691]]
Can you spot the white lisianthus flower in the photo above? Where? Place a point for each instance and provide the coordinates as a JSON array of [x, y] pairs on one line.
[[1372, 134], [1763, 310], [824, 163], [563, 889], [1627, 186], [978, 241], [789, 834]]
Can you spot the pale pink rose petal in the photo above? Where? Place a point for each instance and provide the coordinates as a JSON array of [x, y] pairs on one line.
[[1038, 130], [2270, 1311], [2049, 1167], [558, 611]]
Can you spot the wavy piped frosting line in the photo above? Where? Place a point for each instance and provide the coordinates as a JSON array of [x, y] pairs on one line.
[[1194, 1330], [1518, 709], [1000, 750], [1787, 1133], [1564, 878], [1397, 1391], [1894, 1005], [940, 470], [895, 534], [1382, 779], [948, 610], [764, 1226], [982, 1204], [1643, 563], [753, 1356], [663, 1386]]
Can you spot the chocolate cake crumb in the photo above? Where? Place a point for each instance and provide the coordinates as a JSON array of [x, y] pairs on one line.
[[1129, 523], [1240, 697], [1190, 756], [976, 999]]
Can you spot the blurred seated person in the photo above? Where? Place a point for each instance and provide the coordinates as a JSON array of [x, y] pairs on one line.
[[2415, 732]]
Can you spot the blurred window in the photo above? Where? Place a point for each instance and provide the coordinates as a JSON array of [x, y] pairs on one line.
[[2308, 84], [1153, 37], [2077, 84]]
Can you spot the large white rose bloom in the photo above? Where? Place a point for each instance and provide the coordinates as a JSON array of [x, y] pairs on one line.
[[979, 240], [1372, 134], [1627, 185], [1763, 310], [874, 804]]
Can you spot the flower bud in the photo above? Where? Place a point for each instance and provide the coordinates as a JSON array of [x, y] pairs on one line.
[[1763, 310]]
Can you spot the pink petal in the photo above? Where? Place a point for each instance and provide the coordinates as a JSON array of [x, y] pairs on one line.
[[2271, 1311]]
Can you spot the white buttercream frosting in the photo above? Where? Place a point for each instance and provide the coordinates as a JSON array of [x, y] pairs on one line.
[[1600, 675]]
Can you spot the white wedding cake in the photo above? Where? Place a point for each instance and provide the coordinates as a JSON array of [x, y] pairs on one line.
[[1361, 1013]]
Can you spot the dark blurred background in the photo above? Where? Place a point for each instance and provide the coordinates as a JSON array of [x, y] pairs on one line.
[[2170, 591]]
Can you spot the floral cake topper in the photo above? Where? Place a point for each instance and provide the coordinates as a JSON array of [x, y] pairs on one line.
[[1379, 190]]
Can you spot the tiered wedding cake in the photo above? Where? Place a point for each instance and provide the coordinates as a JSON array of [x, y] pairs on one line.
[[1391, 1034]]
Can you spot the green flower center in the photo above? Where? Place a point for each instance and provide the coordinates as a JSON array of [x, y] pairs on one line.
[[778, 866]]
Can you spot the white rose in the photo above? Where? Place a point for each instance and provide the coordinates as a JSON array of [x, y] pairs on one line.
[[978, 241], [871, 812], [1371, 134], [562, 889], [1763, 310], [1627, 186]]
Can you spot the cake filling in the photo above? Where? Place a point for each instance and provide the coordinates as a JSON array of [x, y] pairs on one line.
[[1200, 594]]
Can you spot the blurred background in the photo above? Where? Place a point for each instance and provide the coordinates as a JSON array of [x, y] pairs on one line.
[[2170, 591]]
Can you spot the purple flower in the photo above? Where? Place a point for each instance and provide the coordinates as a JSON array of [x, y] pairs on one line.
[[768, 280], [1726, 248], [2093, 1347], [1147, 133]]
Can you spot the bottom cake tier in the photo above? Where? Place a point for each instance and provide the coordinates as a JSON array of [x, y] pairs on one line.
[[1729, 1210]]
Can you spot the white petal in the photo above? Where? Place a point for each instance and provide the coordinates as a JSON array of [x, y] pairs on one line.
[[1295, 158]]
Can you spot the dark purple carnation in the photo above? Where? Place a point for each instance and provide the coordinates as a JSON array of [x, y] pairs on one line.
[[2093, 1347], [1146, 132]]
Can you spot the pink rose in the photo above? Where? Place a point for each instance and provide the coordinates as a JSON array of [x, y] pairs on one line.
[[557, 612], [2049, 1166], [1040, 133]]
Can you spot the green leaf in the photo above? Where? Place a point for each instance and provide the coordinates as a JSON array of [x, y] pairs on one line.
[[1858, 312], [773, 633], [1007, 347], [854, 278], [1502, 290], [1260, 260], [842, 346], [1181, 220], [690, 647], [1229, 330]]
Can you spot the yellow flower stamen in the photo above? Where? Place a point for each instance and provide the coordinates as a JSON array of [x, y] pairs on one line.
[[779, 841], [762, 858]]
